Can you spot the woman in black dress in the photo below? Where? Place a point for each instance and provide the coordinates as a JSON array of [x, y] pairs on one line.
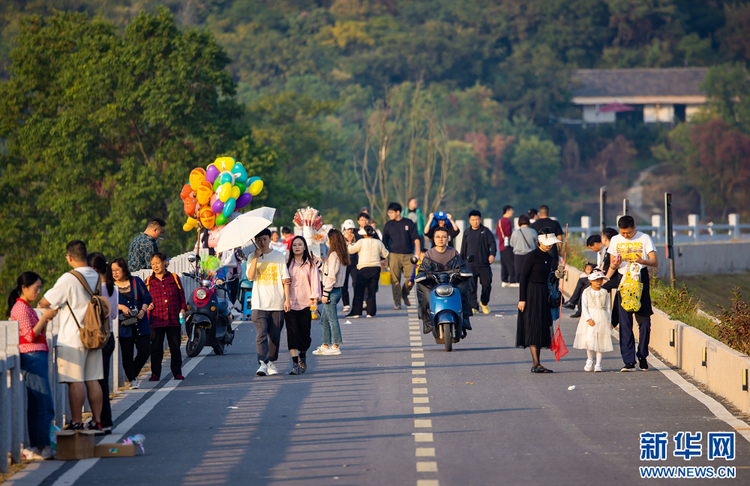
[[534, 328]]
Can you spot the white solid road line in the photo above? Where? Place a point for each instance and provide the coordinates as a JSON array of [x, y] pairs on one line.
[[74, 473], [715, 407]]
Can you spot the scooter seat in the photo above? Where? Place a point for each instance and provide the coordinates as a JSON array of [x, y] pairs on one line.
[[222, 304]]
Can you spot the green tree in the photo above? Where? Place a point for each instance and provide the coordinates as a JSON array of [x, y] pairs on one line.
[[102, 129]]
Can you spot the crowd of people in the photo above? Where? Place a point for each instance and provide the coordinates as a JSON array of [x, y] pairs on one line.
[[289, 282]]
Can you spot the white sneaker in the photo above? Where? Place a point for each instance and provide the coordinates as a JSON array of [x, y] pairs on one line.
[[364, 305], [504, 284], [347, 308], [514, 285], [263, 369], [333, 351], [598, 368], [272, 369], [135, 384], [47, 453], [320, 351], [31, 455], [589, 365]]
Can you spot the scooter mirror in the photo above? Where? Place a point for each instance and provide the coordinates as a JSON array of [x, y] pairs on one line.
[[414, 260], [470, 258], [192, 258]]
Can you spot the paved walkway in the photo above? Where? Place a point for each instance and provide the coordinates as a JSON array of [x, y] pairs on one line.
[[396, 409]]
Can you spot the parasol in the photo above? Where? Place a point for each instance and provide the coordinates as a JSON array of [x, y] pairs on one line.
[[243, 229]]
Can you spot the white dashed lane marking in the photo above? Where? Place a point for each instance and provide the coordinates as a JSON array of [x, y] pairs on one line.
[[427, 467]]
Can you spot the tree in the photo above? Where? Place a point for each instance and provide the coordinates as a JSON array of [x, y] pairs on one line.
[[727, 88], [102, 129]]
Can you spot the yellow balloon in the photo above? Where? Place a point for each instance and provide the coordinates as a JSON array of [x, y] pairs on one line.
[[224, 192], [224, 163], [255, 188], [204, 194], [235, 192], [190, 225], [196, 177]]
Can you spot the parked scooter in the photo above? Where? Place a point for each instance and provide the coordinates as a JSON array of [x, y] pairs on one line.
[[446, 310], [208, 321]]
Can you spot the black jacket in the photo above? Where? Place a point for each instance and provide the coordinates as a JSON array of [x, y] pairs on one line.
[[428, 265], [479, 242]]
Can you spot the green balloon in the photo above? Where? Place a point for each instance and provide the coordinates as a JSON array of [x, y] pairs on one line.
[[217, 183], [241, 186]]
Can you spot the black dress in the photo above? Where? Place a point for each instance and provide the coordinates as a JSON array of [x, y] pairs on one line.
[[534, 326]]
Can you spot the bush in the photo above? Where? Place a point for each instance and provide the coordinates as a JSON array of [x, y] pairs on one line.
[[677, 303], [734, 329]]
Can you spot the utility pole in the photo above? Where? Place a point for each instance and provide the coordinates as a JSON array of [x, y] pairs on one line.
[[669, 237], [602, 209]]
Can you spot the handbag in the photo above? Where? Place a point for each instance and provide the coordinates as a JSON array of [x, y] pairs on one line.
[[130, 320], [553, 300], [631, 288]]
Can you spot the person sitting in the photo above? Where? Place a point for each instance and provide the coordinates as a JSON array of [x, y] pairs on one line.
[[441, 220], [582, 284], [441, 257]]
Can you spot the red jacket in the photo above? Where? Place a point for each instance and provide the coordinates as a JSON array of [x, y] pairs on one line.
[[504, 227]]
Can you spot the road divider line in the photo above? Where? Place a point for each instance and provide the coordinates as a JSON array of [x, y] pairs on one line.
[[418, 380], [427, 467], [425, 451], [421, 400], [417, 364], [421, 410]]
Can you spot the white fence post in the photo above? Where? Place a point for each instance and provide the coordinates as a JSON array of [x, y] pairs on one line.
[[5, 405], [515, 224], [460, 238], [693, 223], [586, 225], [656, 223], [11, 398], [734, 222]]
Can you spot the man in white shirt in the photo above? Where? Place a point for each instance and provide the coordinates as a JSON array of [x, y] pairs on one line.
[[270, 300], [632, 246], [76, 364]]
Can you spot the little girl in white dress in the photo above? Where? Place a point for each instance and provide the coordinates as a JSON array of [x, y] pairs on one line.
[[594, 328]]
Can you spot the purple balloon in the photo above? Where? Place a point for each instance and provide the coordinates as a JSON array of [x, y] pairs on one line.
[[212, 173], [217, 207], [244, 200]]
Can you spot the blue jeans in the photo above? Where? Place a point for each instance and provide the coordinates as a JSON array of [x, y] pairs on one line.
[[329, 319], [41, 409]]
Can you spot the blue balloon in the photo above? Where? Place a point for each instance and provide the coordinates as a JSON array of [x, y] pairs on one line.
[[229, 207], [227, 177], [240, 172]]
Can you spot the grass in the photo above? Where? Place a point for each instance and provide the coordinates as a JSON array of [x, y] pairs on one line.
[[716, 291]]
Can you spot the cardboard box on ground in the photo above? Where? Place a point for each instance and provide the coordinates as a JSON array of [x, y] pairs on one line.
[[73, 445]]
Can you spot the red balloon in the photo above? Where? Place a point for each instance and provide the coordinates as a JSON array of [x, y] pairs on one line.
[[191, 206], [186, 191]]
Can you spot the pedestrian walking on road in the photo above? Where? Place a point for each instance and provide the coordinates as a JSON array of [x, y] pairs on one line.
[[546, 224], [145, 244], [370, 251], [534, 326], [34, 363], [133, 300], [304, 292], [98, 262], [414, 213], [270, 300], [632, 246], [504, 234], [169, 302], [594, 329], [441, 219], [523, 241], [480, 242], [334, 272], [350, 236], [402, 241], [76, 364]]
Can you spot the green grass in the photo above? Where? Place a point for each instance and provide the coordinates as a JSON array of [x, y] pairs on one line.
[[716, 291]]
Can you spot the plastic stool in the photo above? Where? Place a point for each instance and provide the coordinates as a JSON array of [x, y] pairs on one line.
[[246, 295]]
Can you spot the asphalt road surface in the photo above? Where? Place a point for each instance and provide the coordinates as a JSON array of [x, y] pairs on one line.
[[396, 409]]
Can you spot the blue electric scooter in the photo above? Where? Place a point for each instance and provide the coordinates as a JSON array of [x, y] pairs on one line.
[[446, 310]]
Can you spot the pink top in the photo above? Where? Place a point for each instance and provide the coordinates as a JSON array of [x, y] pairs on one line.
[[305, 284], [27, 319]]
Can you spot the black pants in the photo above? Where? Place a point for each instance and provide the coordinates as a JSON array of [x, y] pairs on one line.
[[107, 351], [132, 366], [581, 285], [268, 326], [518, 265], [350, 270], [174, 336], [482, 275], [298, 324], [367, 282], [508, 268]]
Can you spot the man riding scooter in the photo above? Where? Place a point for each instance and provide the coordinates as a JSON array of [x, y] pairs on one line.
[[441, 257]]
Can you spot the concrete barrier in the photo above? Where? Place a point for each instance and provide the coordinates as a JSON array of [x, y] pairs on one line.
[[11, 395], [712, 363]]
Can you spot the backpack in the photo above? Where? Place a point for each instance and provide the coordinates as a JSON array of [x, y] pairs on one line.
[[95, 329]]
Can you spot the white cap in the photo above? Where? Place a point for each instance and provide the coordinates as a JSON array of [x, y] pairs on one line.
[[348, 224], [548, 239], [596, 274]]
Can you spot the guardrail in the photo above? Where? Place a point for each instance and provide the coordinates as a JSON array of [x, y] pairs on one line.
[[11, 395]]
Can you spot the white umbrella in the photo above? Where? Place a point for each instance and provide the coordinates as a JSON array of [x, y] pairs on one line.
[[243, 229]]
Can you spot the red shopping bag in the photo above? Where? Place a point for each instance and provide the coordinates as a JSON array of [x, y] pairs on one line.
[[558, 345]]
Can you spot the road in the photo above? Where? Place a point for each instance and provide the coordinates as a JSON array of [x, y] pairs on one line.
[[396, 409]]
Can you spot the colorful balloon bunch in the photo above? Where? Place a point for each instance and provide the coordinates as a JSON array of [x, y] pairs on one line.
[[213, 194]]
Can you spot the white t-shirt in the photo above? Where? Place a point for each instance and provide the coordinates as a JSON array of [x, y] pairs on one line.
[[268, 285], [639, 246], [68, 290], [600, 257]]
